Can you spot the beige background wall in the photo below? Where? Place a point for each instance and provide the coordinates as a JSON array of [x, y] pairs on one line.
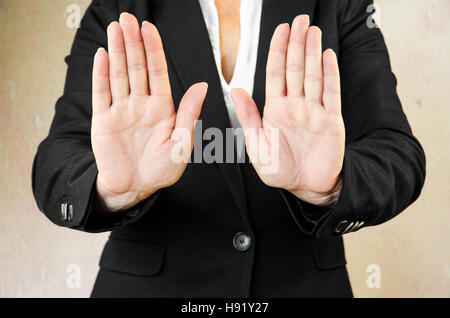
[[413, 250]]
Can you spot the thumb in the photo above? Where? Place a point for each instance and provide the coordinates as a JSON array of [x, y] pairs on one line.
[[251, 122], [188, 113], [246, 109], [191, 106]]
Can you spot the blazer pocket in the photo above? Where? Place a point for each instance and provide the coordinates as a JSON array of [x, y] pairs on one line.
[[142, 258], [328, 252]]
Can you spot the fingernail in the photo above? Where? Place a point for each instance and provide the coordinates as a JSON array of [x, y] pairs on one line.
[[123, 14], [304, 16], [110, 25], [281, 25], [145, 22], [100, 49]]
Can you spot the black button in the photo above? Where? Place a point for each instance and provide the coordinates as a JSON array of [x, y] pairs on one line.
[[242, 242]]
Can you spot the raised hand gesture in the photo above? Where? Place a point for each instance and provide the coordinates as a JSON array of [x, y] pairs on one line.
[[134, 116], [303, 103]]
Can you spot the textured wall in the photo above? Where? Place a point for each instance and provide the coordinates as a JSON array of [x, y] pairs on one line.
[[412, 251]]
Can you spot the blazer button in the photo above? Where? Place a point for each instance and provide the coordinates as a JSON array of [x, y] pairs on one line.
[[341, 226], [242, 242], [70, 213], [66, 212]]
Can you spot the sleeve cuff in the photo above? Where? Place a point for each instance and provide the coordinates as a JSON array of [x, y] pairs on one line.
[[79, 212], [317, 221], [307, 216]]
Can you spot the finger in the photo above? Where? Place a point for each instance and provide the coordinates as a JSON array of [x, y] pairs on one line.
[[295, 67], [332, 83], [191, 106], [136, 60], [156, 61], [117, 62], [276, 63], [246, 109], [313, 70], [101, 93]]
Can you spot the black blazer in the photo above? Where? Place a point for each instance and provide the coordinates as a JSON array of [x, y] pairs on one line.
[[179, 242]]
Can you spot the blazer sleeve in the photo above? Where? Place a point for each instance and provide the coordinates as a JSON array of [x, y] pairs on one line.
[[384, 164], [64, 170]]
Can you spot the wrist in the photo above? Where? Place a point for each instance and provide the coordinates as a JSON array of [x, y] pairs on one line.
[[323, 199], [116, 202]]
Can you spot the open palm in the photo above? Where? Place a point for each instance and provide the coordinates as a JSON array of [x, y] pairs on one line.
[[134, 117], [303, 105]]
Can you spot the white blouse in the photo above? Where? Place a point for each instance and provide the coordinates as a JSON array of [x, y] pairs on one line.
[[244, 71]]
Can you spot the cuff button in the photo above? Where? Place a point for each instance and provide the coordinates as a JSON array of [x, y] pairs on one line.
[[70, 213], [341, 227], [64, 211]]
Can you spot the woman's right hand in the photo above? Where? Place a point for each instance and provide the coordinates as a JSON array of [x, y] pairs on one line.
[[134, 118]]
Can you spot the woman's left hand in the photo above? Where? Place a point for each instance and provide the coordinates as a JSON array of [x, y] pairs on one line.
[[302, 127]]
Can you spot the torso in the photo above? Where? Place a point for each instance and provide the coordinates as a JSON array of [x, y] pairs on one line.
[[230, 34]]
